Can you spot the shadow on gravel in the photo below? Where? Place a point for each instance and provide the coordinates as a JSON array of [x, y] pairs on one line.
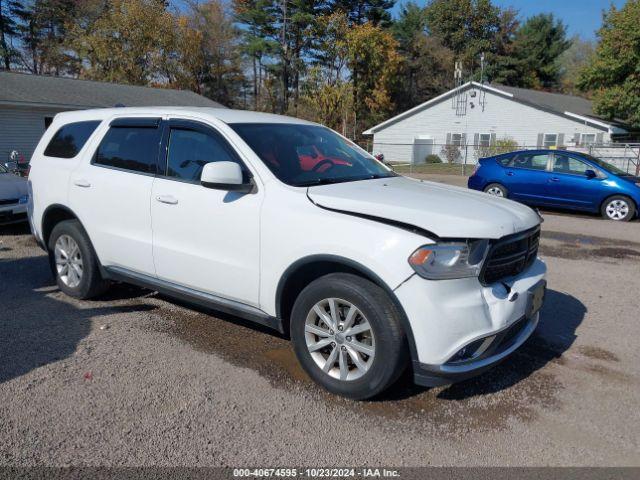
[[38, 325], [21, 228]]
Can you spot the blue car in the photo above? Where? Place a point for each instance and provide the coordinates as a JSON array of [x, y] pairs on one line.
[[559, 178]]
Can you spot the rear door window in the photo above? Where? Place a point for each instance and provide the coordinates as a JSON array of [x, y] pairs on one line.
[[70, 138], [133, 148], [530, 161]]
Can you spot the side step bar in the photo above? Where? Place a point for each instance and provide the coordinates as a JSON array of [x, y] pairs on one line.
[[190, 295]]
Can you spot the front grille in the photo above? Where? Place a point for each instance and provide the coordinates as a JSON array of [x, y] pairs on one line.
[[510, 255], [9, 201]]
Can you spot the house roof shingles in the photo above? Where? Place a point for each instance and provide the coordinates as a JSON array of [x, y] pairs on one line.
[[556, 103], [41, 90]]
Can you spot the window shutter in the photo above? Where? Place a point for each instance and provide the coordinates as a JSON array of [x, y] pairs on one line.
[[576, 139], [561, 139], [448, 142], [540, 137], [493, 139], [600, 138], [476, 139]]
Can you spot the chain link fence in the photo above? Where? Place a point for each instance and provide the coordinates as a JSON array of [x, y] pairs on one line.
[[425, 156]]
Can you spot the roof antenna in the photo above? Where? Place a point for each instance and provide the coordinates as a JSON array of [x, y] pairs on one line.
[[482, 98], [459, 100]]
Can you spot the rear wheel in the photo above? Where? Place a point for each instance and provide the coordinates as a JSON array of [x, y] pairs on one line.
[[619, 208], [73, 261], [347, 335], [497, 190]]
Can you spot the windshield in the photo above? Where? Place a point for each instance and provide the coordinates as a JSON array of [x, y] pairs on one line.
[[605, 165], [304, 155]]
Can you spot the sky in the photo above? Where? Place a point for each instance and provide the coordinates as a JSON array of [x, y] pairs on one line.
[[582, 17]]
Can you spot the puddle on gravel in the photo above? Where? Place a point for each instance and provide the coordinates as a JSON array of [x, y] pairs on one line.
[[598, 353], [512, 390], [580, 247]]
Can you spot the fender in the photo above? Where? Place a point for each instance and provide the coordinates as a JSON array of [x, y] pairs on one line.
[[70, 215], [362, 270]]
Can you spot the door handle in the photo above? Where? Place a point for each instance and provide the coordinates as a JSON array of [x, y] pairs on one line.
[[168, 199], [510, 174], [81, 182], [554, 179]]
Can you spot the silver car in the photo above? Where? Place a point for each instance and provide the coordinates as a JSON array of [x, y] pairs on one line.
[[13, 197]]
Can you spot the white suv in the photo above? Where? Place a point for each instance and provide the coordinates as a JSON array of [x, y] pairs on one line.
[[288, 224]]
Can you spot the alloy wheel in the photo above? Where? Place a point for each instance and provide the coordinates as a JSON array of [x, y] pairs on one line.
[[68, 260], [495, 191], [617, 209], [340, 339]]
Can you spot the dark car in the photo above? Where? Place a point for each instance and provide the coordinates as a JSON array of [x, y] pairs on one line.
[[559, 178]]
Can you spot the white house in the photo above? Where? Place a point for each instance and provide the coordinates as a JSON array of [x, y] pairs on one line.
[[28, 104], [473, 116]]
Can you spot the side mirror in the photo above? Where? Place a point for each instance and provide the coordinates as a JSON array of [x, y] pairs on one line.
[[590, 173], [224, 176]]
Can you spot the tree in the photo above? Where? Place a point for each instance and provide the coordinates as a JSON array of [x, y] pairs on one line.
[[361, 11], [613, 74], [327, 92], [537, 46], [257, 19], [426, 66], [10, 10], [467, 27], [573, 61], [125, 41], [43, 30], [207, 53], [373, 55]]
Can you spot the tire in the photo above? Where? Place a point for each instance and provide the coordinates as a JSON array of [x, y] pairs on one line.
[[82, 279], [497, 190], [618, 208], [384, 337]]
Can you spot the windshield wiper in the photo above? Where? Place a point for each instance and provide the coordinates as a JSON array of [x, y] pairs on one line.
[[322, 181], [327, 181]]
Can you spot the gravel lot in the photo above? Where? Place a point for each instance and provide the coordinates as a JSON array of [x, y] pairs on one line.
[[136, 379]]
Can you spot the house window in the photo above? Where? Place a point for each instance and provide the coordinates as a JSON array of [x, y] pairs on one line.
[[484, 140], [456, 139], [587, 139], [550, 140]]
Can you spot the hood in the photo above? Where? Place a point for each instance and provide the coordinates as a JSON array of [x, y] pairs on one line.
[[448, 212], [12, 186]]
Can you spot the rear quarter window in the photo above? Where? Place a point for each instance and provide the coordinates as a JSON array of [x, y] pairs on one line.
[[70, 138]]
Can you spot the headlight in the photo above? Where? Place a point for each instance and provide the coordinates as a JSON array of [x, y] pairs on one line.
[[23, 199], [449, 260]]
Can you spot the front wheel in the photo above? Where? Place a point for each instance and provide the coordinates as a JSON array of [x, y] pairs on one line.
[[347, 335], [619, 208]]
